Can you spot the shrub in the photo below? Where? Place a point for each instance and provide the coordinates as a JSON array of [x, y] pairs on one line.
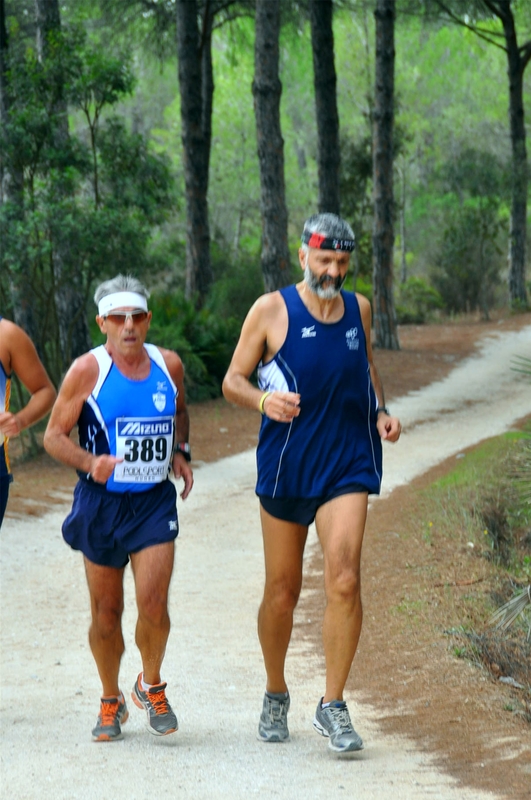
[[204, 341], [416, 300]]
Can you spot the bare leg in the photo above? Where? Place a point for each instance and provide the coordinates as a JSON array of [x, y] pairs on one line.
[[105, 633], [152, 569], [340, 526], [283, 551]]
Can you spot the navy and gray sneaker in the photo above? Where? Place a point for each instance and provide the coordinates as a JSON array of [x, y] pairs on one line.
[[160, 717], [113, 714], [334, 722], [273, 725]]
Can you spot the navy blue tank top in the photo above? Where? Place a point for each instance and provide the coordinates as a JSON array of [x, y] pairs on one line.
[[334, 441]]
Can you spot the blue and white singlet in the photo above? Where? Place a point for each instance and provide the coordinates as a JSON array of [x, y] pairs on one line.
[[132, 419], [334, 441]]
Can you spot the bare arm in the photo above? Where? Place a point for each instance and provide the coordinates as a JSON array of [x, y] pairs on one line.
[[258, 341], [77, 386], [388, 427], [22, 359], [181, 467]]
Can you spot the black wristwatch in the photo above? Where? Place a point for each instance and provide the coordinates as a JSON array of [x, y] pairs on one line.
[[184, 448], [384, 409]]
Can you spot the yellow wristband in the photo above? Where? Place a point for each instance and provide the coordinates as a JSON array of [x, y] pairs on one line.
[[262, 401]]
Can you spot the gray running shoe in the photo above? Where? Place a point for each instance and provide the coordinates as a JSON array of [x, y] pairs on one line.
[[334, 722], [273, 725], [160, 718], [113, 713]]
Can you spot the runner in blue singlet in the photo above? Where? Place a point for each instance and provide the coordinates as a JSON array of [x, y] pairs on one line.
[[318, 457], [127, 400]]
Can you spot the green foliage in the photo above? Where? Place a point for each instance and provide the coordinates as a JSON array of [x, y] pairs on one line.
[[469, 260], [204, 341], [416, 301], [108, 196], [481, 501], [356, 201], [237, 285], [360, 285], [85, 201]]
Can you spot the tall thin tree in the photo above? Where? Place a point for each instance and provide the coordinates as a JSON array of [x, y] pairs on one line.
[[325, 83], [196, 83], [518, 58], [12, 197], [385, 324], [267, 91]]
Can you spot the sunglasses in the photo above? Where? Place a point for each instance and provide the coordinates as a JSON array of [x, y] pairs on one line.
[[120, 317]]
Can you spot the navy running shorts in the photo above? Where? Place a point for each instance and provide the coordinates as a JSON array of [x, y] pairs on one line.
[[106, 526], [303, 510], [5, 479]]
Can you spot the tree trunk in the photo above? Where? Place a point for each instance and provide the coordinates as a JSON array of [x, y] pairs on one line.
[[69, 299], [517, 242], [328, 151], [403, 248], [196, 84], [267, 90], [386, 334], [12, 196]]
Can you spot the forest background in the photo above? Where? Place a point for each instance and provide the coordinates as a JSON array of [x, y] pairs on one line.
[[92, 144]]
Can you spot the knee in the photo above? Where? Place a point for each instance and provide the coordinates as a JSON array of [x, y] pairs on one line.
[[280, 598], [107, 618], [152, 607], [344, 585]]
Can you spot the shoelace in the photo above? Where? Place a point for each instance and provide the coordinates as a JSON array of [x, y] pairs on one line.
[[276, 710], [109, 712], [340, 719], [159, 702]]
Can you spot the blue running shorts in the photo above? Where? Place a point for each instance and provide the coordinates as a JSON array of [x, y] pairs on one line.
[[5, 479], [302, 510], [106, 526]]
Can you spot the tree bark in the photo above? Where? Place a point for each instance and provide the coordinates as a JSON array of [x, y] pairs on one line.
[[517, 62], [385, 326], [325, 83], [196, 84], [69, 298], [267, 90], [12, 195]]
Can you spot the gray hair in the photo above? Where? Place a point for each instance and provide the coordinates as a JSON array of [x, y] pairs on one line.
[[329, 225], [121, 283]]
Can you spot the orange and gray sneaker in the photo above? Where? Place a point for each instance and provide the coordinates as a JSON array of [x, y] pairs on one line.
[[113, 713], [160, 718]]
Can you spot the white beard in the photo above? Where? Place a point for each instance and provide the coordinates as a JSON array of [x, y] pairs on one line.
[[329, 293]]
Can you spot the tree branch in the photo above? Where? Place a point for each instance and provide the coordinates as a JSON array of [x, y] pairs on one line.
[[497, 10], [482, 34], [525, 54]]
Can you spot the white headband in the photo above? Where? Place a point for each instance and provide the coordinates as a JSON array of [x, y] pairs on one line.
[[121, 300]]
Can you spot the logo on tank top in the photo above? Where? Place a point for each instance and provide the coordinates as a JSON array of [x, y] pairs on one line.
[[159, 398], [351, 336], [307, 333]]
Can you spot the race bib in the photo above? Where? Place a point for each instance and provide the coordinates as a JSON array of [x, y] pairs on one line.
[[145, 444]]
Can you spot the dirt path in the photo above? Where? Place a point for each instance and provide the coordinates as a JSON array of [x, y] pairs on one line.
[[213, 665]]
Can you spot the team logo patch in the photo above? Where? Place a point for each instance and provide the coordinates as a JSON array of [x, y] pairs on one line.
[[308, 333], [351, 336], [159, 401]]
